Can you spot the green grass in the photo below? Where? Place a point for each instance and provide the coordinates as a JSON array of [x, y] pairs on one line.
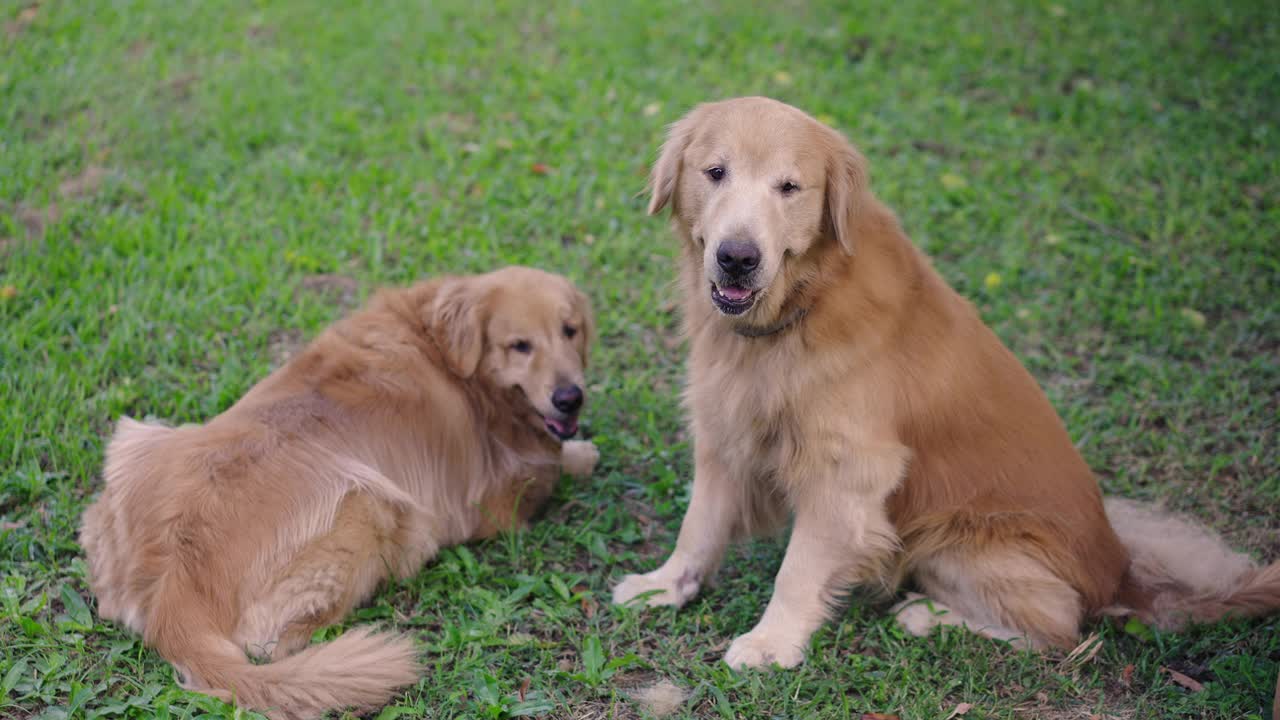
[[1100, 177]]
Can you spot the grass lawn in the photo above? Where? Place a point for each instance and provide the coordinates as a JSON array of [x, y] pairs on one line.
[[189, 190]]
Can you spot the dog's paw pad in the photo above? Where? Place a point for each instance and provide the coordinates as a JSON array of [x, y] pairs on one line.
[[757, 650], [665, 592]]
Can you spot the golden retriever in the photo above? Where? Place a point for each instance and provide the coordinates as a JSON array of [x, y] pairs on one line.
[[439, 414], [835, 378]]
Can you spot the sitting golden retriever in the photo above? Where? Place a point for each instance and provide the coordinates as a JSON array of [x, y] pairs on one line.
[[439, 414], [834, 377]]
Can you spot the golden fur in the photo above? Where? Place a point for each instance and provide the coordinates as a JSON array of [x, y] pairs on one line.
[[406, 427], [860, 395]]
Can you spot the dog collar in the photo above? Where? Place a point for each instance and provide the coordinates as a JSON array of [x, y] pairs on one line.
[[792, 318]]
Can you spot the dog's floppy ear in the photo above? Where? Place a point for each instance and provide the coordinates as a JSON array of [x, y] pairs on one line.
[[457, 323], [666, 171], [848, 190], [588, 330]]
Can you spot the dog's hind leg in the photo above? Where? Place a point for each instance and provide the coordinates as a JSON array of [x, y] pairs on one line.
[[323, 582], [918, 615], [1002, 594]]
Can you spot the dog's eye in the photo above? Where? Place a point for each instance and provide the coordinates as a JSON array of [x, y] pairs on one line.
[[522, 346], [570, 331], [788, 187], [716, 173]]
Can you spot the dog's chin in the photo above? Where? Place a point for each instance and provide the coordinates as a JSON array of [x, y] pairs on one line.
[[732, 300], [560, 429]]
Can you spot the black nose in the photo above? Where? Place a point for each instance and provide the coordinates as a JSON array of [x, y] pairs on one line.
[[567, 398], [737, 257]]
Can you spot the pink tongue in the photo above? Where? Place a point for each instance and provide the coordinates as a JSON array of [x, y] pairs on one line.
[[733, 293], [562, 427]]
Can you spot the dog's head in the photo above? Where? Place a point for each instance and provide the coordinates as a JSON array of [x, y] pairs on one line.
[[755, 185], [520, 329]]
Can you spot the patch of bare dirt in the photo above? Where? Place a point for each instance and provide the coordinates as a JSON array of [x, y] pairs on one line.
[[339, 289], [1041, 707], [22, 20], [86, 183], [180, 86], [261, 33], [455, 123], [35, 220], [283, 345]]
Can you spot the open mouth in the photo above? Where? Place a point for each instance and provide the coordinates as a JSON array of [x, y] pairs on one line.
[[563, 429], [732, 300]]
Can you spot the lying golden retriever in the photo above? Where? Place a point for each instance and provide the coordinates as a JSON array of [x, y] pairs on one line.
[[834, 377], [439, 414]]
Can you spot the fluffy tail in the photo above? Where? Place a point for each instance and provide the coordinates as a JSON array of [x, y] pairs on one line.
[[359, 670], [1182, 572]]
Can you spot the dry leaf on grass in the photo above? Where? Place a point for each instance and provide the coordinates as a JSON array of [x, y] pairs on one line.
[[1185, 681], [960, 709]]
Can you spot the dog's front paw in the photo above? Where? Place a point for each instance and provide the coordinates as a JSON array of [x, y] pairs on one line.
[[671, 588], [759, 650], [579, 457]]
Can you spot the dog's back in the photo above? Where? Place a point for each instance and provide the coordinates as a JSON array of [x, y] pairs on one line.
[[207, 538], [358, 459], [190, 545]]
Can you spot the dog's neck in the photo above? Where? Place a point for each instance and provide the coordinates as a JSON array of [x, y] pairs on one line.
[[788, 320]]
